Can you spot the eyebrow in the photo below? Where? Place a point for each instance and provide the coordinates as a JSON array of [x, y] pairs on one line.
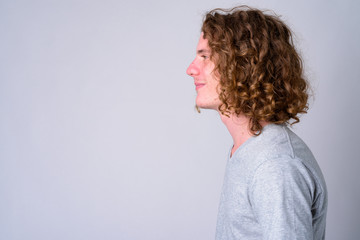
[[201, 51]]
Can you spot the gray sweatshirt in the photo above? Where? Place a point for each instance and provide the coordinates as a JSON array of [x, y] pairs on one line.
[[273, 189]]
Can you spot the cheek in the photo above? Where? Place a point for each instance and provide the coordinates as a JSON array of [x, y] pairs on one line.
[[208, 68], [213, 89]]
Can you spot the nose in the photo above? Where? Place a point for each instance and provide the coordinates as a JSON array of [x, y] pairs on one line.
[[192, 70]]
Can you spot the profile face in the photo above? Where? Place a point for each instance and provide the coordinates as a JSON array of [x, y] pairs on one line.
[[206, 83]]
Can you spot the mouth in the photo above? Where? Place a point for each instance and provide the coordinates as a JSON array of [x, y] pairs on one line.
[[199, 85]]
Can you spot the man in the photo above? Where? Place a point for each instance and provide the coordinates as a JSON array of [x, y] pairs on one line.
[[248, 70]]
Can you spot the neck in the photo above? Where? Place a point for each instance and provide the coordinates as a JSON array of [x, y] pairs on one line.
[[239, 129]]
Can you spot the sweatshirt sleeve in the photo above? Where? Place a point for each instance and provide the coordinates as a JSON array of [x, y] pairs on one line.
[[281, 196]]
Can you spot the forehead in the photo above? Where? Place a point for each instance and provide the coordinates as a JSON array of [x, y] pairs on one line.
[[203, 44]]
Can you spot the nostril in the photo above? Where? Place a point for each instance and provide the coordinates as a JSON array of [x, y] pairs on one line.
[[189, 71]]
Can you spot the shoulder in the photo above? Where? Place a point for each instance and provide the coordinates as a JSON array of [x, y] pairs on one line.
[[282, 148], [283, 177], [282, 171], [284, 160]]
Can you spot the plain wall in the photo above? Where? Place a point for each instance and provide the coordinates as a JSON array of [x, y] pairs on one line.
[[99, 138]]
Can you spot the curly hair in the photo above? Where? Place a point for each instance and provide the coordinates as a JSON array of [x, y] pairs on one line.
[[260, 71]]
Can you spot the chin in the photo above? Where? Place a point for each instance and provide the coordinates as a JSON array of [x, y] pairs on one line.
[[206, 105]]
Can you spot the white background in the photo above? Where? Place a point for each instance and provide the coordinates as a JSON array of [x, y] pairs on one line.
[[99, 138]]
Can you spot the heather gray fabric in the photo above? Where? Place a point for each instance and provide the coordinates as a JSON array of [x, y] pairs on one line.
[[273, 189]]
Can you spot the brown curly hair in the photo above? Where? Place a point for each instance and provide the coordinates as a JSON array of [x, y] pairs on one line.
[[261, 73]]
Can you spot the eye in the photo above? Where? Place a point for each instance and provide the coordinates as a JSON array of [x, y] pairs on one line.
[[204, 57]]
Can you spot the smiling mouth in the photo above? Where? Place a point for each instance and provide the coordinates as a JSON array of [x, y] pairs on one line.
[[199, 85]]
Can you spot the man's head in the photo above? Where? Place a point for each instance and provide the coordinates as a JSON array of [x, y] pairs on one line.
[[258, 72]]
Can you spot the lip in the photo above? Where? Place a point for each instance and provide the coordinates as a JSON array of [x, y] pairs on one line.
[[199, 85]]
